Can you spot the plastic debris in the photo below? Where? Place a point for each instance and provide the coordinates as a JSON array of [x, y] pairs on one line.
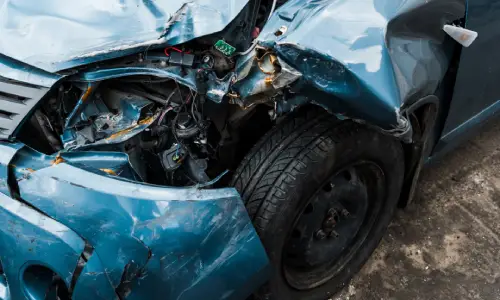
[[464, 36]]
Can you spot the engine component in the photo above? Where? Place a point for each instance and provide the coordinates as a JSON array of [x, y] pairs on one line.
[[186, 126], [172, 158], [196, 169], [181, 59], [112, 120], [219, 62], [208, 62]]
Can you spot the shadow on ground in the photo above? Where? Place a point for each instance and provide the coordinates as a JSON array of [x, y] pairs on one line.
[[446, 245]]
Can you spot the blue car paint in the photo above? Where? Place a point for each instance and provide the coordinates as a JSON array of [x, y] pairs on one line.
[[155, 242], [102, 162], [93, 282], [452, 139], [476, 87], [57, 34], [19, 71], [30, 238]]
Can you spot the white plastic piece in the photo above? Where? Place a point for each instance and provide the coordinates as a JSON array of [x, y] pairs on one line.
[[464, 36]]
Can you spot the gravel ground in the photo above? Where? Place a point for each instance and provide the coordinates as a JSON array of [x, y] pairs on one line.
[[446, 245]]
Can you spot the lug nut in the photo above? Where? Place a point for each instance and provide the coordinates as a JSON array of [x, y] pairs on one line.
[[345, 213], [333, 212], [333, 234], [320, 234], [330, 222]]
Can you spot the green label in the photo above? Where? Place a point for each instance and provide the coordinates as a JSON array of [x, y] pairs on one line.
[[225, 48]]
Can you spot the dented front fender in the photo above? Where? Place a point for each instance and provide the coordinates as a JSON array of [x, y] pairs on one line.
[[364, 59]]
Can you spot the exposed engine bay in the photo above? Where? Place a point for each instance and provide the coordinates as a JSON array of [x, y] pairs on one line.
[[180, 127], [172, 134]]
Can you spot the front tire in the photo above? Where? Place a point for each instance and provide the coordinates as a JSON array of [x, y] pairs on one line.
[[321, 193]]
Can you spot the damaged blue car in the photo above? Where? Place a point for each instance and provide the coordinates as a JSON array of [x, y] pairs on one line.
[[223, 149]]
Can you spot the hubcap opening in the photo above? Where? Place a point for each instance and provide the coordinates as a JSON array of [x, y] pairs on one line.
[[332, 225]]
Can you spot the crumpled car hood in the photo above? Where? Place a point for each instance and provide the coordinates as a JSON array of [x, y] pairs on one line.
[[58, 34]]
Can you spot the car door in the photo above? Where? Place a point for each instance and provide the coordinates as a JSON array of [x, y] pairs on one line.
[[476, 95]]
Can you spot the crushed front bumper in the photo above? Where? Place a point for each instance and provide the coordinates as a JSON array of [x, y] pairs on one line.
[[143, 241]]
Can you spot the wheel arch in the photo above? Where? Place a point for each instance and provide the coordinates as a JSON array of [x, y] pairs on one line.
[[422, 116]]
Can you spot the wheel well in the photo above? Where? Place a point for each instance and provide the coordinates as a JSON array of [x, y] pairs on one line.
[[423, 116]]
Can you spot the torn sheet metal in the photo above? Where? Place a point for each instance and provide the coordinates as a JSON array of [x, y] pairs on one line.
[[216, 88], [7, 153], [96, 123], [365, 65], [93, 282], [261, 75], [110, 163], [78, 114], [154, 242], [94, 30]]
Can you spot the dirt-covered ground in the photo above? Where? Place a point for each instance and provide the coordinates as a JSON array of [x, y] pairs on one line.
[[446, 245]]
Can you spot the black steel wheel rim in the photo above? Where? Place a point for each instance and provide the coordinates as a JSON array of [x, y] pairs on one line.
[[332, 225]]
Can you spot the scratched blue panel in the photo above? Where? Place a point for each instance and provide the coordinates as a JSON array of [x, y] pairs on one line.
[[93, 282], [27, 237], [173, 243]]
